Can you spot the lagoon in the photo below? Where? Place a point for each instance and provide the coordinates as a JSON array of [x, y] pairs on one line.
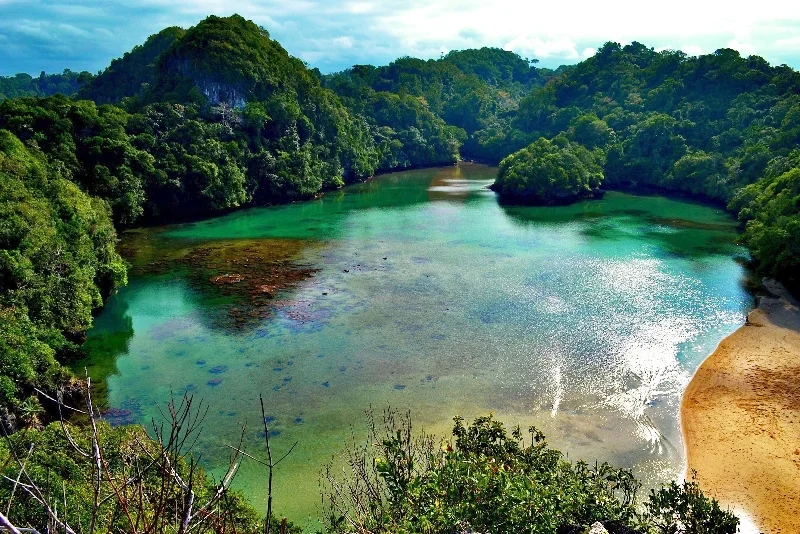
[[417, 290]]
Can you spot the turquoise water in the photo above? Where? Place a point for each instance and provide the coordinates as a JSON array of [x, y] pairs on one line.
[[425, 294]]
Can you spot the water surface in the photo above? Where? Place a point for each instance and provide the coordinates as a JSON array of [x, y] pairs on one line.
[[417, 290]]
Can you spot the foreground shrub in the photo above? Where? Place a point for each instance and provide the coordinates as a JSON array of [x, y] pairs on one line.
[[491, 481]]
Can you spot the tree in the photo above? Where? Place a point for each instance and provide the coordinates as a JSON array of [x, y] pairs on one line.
[[547, 172]]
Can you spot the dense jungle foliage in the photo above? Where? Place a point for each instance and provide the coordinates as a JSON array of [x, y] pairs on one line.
[[57, 262], [470, 90], [201, 121]]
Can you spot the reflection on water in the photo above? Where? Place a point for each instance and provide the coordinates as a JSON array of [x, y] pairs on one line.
[[418, 290]]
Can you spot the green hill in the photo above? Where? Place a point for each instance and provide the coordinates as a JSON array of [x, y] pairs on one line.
[[133, 73], [719, 126]]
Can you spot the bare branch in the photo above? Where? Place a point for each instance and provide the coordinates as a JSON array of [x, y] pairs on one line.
[[287, 454], [247, 455], [36, 494], [48, 397], [16, 482], [6, 524], [270, 466]]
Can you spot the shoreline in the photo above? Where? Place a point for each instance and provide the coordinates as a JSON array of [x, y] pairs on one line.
[[740, 417]]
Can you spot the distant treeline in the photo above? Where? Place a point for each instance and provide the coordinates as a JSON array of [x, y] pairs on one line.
[[66, 83]]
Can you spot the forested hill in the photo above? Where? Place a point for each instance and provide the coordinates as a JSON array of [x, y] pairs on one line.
[[200, 121], [132, 73], [471, 89], [718, 126]]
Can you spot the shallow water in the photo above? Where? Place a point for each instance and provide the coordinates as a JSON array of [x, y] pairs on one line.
[[419, 291]]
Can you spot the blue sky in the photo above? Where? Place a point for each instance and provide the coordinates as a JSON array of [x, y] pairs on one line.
[[51, 35]]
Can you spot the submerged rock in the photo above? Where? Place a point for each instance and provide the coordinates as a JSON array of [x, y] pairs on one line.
[[227, 279]]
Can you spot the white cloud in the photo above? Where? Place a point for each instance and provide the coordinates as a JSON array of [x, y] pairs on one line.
[[559, 29], [71, 30], [360, 7], [691, 50], [538, 48], [745, 49], [790, 42], [343, 42], [272, 8], [334, 34]]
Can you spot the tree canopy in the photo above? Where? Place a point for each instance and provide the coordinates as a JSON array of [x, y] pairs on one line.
[[549, 172], [22, 84], [57, 261]]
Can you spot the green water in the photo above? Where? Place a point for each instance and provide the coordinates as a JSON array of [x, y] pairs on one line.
[[585, 320]]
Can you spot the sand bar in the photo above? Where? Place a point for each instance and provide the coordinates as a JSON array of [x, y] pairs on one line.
[[741, 417]]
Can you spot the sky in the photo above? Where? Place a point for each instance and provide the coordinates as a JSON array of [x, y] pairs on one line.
[[52, 35]]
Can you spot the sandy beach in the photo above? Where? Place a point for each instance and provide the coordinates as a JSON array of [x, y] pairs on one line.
[[741, 417]]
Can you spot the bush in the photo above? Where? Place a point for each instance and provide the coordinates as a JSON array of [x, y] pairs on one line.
[[682, 508], [492, 481]]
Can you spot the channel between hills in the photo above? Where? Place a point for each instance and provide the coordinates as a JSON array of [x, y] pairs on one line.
[[740, 417]]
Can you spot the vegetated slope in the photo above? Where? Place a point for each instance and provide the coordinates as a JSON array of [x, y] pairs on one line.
[[57, 262], [705, 125], [719, 126], [489, 480], [86, 144], [139, 484], [483, 479], [469, 89], [243, 123], [133, 73]]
